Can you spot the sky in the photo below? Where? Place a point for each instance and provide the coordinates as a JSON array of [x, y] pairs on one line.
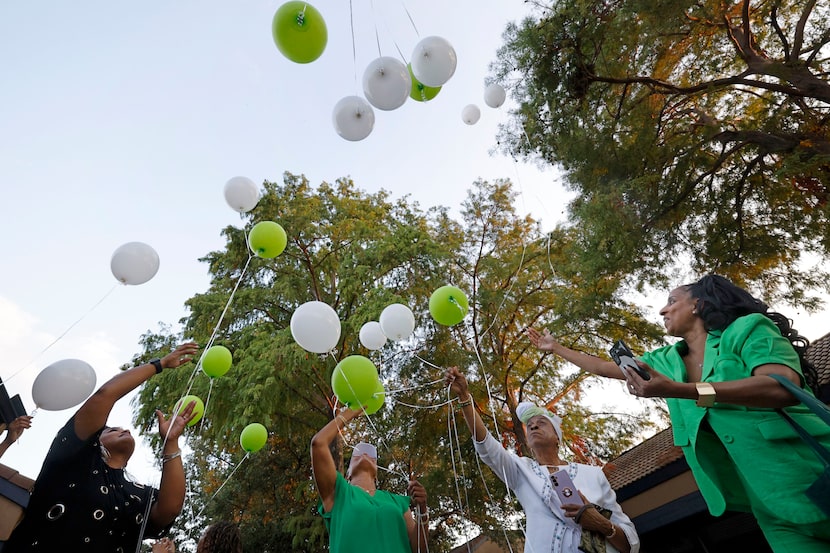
[[122, 122]]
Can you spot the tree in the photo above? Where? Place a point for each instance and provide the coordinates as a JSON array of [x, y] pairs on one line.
[[358, 253], [695, 134]]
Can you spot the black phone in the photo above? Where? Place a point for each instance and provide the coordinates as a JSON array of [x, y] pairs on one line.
[[565, 488], [623, 357]]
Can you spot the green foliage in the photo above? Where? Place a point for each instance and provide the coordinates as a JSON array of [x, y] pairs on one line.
[[696, 135], [358, 253]]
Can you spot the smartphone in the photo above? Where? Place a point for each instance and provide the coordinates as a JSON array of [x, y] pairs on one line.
[[565, 489], [623, 357]]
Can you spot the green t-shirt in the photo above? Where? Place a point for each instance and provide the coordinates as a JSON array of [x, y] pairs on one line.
[[363, 523]]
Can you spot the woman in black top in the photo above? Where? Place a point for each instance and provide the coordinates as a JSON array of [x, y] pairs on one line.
[[82, 500]]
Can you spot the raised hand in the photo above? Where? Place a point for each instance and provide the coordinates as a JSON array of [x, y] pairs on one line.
[[542, 340]]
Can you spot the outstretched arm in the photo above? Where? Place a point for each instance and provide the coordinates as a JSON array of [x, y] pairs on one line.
[[94, 412], [601, 367], [322, 463]]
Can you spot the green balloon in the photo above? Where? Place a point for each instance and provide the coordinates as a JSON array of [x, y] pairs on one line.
[[299, 32], [198, 409], [374, 403], [217, 361], [354, 380], [253, 437], [448, 305], [420, 91], [267, 239]]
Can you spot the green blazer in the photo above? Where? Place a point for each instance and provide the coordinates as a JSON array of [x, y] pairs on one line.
[[744, 458]]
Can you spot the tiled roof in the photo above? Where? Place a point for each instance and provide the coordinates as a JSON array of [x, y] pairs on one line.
[[643, 459], [819, 355], [16, 478]]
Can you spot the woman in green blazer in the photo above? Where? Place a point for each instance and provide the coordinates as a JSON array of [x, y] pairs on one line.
[[743, 454]]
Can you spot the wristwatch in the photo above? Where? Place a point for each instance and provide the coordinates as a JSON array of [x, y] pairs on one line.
[[705, 394], [157, 364]]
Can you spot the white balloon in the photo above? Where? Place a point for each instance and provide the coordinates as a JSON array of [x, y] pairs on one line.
[[353, 118], [470, 114], [315, 327], [433, 61], [241, 194], [134, 263], [386, 83], [63, 384], [494, 95], [397, 322], [372, 336]]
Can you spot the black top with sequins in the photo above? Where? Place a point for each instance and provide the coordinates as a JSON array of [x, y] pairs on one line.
[[81, 504]]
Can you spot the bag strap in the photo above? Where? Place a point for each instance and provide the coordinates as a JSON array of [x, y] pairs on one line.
[[809, 400], [814, 405]]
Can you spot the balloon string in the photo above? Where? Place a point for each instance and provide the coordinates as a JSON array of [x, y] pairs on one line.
[[207, 402], [435, 406], [450, 424], [406, 389], [223, 484], [354, 48], [411, 20], [451, 420], [377, 36], [65, 332], [198, 366]]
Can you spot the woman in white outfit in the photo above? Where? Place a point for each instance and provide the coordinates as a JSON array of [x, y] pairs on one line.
[[552, 527]]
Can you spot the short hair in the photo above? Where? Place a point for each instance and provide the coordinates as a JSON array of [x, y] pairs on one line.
[[221, 537]]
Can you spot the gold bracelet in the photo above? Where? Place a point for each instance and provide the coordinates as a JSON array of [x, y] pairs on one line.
[[613, 532], [342, 418], [466, 402]]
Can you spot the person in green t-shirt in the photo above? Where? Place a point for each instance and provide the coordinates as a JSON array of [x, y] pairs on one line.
[[359, 517], [742, 452]]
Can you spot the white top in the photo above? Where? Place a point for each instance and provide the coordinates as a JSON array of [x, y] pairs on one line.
[[548, 530]]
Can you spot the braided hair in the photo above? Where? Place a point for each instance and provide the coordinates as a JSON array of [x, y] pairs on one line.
[[221, 537], [720, 302]]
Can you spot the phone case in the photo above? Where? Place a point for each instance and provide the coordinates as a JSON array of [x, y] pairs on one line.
[[623, 357], [565, 488]]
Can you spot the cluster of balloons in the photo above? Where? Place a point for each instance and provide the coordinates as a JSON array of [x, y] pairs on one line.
[[267, 239], [315, 326], [396, 323], [387, 83], [494, 96], [356, 383], [135, 263]]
